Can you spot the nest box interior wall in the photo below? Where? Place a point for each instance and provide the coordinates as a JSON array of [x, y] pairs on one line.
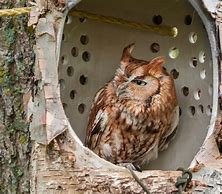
[[91, 51]]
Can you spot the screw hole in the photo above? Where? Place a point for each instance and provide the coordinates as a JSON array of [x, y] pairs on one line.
[[180, 111], [202, 56], [62, 84], [185, 91], [70, 71], [203, 74], [174, 73], [86, 56], [74, 52], [193, 37], [63, 36], [210, 89], [192, 110], [84, 39], [81, 108], [64, 106], [63, 60], [157, 19], [82, 20], [68, 20], [83, 79], [174, 53], [200, 109], [72, 94], [155, 47], [209, 110], [188, 20], [197, 94], [193, 62]]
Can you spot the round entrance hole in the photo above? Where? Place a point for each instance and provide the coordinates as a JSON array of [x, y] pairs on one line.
[[93, 49]]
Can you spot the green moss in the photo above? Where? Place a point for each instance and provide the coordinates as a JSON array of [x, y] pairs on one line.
[[23, 139], [10, 34], [16, 68], [2, 72]]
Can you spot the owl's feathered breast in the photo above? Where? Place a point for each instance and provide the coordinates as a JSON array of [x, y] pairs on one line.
[[123, 130]]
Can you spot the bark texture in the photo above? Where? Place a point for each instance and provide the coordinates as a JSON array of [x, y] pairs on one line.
[[59, 162], [64, 166], [16, 64]]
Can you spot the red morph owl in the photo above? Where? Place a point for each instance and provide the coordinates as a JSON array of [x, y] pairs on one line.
[[135, 115]]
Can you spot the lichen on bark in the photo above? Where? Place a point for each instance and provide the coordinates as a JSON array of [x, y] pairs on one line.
[[16, 73]]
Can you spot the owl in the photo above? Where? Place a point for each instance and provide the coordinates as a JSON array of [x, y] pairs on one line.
[[135, 115]]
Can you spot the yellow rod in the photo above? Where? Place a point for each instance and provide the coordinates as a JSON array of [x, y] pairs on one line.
[[161, 30]]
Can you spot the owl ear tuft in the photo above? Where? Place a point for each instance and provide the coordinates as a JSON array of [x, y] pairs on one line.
[[126, 56], [158, 61]]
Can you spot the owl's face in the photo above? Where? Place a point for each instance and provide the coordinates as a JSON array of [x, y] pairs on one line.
[[139, 79]]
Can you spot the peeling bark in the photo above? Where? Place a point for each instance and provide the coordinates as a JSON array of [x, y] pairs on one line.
[[64, 167], [61, 164], [59, 161]]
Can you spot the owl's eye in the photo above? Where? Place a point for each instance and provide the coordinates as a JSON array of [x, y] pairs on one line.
[[139, 82]]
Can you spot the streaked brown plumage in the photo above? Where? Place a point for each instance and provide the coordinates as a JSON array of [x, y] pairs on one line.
[[135, 115]]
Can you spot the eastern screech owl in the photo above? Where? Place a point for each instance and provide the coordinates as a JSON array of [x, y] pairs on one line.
[[135, 115]]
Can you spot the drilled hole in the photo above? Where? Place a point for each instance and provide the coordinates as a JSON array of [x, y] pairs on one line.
[[74, 52], [63, 36], [64, 60], [174, 73], [192, 110], [200, 109], [210, 89], [203, 74], [174, 53], [193, 62], [86, 56], [72, 94], [209, 110], [202, 56], [62, 84], [180, 111], [83, 79], [155, 47], [193, 37], [64, 106], [68, 20], [70, 71], [82, 20], [157, 19], [84, 39], [188, 20], [185, 91], [81, 108], [197, 94]]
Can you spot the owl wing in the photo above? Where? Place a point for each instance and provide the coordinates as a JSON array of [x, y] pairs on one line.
[[166, 138], [97, 119]]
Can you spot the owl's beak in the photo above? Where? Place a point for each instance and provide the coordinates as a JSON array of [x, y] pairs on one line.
[[121, 90]]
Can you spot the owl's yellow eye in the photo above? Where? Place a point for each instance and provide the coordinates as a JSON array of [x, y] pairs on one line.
[[139, 82]]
